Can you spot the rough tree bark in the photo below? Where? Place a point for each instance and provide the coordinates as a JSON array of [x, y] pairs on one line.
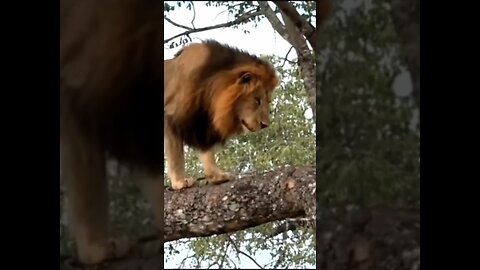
[[300, 23], [286, 192]]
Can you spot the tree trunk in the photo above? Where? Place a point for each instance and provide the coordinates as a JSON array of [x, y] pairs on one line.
[[306, 62]]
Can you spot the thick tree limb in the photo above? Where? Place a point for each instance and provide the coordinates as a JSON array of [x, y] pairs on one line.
[[286, 192], [306, 63], [305, 28]]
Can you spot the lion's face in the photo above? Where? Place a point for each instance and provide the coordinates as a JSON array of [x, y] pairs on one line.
[[253, 108], [244, 105]]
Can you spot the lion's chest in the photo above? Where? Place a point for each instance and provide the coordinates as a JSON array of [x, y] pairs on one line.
[[197, 131]]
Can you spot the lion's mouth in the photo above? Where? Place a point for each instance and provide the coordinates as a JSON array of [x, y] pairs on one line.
[[246, 126]]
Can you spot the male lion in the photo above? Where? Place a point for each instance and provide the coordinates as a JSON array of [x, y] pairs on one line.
[[212, 92], [110, 88]]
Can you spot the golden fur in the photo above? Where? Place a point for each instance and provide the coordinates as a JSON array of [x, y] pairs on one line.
[[212, 92]]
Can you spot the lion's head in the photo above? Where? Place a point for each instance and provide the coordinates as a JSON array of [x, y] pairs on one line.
[[244, 104]]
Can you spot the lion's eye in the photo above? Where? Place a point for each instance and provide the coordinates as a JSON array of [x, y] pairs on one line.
[[258, 101], [246, 78]]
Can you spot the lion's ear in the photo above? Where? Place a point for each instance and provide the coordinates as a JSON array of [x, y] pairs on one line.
[[246, 77]]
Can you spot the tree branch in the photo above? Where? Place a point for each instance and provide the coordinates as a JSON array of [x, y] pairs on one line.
[[176, 24], [222, 25], [285, 59], [306, 61], [305, 28], [224, 254], [274, 21], [194, 14], [286, 192], [243, 253]]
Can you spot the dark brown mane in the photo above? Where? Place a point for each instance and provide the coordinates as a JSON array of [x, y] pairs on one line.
[[227, 57], [197, 129]]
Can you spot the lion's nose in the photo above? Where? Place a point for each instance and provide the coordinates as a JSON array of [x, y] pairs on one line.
[[263, 125]]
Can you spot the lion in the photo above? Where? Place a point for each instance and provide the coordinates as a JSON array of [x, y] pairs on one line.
[[111, 83], [212, 93]]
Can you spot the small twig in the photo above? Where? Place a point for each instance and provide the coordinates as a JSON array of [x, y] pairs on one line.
[[222, 25], [241, 252], [176, 24], [224, 255], [307, 29], [286, 56], [194, 14], [289, 61], [182, 263], [221, 12], [233, 262], [213, 264]]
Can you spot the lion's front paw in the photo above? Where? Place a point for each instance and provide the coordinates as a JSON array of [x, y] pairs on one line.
[[96, 253], [182, 183], [217, 177]]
